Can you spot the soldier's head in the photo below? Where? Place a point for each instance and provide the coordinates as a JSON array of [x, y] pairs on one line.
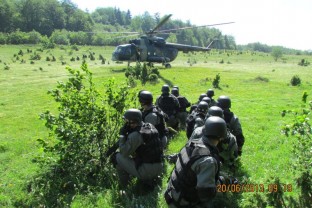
[[207, 100], [133, 118], [165, 89], [175, 91], [175, 86], [145, 97], [202, 107], [224, 102], [210, 93], [215, 111], [202, 96], [215, 128]]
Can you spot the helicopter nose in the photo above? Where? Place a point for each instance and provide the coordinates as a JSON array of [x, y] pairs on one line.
[[114, 57]]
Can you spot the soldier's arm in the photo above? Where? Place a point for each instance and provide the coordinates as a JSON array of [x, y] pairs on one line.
[[151, 118], [127, 146], [237, 131], [206, 169]]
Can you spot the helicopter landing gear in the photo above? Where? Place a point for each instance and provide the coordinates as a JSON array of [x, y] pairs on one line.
[[168, 66]]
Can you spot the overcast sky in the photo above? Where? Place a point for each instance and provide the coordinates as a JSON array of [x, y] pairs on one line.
[[273, 22]]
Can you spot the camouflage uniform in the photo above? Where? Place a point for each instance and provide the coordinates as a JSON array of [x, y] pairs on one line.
[[196, 174], [169, 104], [227, 147], [206, 173], [235, 127], [151, 117], [127, 165]]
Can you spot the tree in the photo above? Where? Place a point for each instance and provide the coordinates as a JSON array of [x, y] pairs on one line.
[[277, 53]]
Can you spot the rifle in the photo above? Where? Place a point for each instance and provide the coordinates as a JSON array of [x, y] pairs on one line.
[[112, 149]]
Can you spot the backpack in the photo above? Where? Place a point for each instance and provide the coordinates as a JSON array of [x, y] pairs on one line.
[[190, 123], [163, 118], [167, 104], [183, 103], [151, 150]]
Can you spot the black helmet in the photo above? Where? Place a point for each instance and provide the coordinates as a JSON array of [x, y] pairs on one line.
[[210, 93], [215, 111], [224, 102], [165, 89], [175, 86], [215, 127], [202, 96], [202, 107], [133, 115], [206, 99], [175, 92], [145, 96]]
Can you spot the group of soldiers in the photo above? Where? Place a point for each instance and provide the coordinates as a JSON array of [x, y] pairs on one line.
[[214, 142]]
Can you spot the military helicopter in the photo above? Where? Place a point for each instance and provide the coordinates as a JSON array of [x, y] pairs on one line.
[[152, 49]]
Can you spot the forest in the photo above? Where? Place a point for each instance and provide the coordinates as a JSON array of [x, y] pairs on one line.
[[62, 22]]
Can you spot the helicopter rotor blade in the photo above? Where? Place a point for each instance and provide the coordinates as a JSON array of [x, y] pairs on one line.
[[191, 27], [163, 21]]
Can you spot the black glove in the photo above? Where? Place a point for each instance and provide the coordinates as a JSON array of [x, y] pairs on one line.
[[124, 130], [113, 159]]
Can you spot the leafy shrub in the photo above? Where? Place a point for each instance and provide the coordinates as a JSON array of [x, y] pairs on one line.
[[295, 80], [304, 62], [300, 129], [216, 81], [36, 56], [60, 37], [3, 38], [86, 125], [153, 78]]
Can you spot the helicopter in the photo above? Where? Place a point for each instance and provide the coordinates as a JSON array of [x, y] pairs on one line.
[[153, 49]]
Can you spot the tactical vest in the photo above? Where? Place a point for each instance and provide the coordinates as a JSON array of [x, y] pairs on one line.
[[161, 126], [190, 122], [151, 150], [183, 103], [183, 178], [167, 104], [228, 116]]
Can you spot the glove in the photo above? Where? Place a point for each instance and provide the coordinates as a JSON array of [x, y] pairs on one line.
[[113, 159], [123, 130]]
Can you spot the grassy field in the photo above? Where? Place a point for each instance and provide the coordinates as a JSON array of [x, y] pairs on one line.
[[258, 86]]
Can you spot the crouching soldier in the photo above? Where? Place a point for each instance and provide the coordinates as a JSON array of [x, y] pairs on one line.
[[232, 121], [140, 150], [196, 173], [154, 115]]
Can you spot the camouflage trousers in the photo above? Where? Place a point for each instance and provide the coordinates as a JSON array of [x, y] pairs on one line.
[[182, 119], [126, 168]]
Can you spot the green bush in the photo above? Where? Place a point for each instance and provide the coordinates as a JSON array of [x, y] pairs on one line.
[[300, 129], [60, 37], [86, 125], [3, 38], [216, 81], [295, 80]]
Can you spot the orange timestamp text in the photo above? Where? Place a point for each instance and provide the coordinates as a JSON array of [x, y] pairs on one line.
[[240, 188]]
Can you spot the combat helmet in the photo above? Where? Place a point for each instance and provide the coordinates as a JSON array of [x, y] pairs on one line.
[[165, 89], [202, 107], [207, 100], [215, 111], [175, 91], [224, 102], [202, 96], [210, 93], [215, 127], [133, 115], [145, 97]]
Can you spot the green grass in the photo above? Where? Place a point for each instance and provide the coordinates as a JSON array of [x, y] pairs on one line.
[[258, 86]]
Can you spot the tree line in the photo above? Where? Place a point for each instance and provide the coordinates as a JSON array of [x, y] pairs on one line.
[[22, 21], [62, 22]]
